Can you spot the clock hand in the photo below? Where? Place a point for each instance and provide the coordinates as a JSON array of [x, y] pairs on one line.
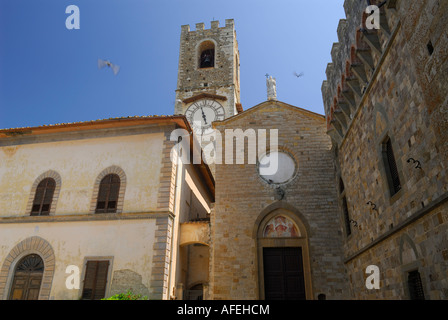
[[203, 116]]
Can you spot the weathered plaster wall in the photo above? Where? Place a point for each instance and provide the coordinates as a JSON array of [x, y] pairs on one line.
[[128, 243], [78, 163]]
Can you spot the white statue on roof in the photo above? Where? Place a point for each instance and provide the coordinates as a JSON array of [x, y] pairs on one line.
[[272, 87]]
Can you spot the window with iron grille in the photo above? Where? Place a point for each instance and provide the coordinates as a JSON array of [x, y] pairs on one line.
[[95, 280], [391, 167], [415, 286], [108, 194], [43, 197]]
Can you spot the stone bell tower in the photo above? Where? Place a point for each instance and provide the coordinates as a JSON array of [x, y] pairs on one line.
[[209, 69]]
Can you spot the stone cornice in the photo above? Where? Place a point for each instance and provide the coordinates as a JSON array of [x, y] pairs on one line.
[[203, 96], [86, 217]]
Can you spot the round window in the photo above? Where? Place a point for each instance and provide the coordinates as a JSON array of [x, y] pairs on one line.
[[277, 167]]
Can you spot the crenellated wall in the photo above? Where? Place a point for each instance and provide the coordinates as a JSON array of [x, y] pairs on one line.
[[355, 58]]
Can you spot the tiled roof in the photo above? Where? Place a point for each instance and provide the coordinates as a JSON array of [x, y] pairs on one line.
[[89, 122]]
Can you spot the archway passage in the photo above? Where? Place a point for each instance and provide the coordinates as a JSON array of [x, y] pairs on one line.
[[195, 293], [283, 273], [27, 278]]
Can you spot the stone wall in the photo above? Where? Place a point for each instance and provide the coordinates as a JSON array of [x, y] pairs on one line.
[[220, 79], [401, 94], [244, 199]]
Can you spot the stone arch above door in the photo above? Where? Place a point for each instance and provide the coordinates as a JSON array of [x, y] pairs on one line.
[[281, 226], [284, 209], [32, 245], [408, 250]]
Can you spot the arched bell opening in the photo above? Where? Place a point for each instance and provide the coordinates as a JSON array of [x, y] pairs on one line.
[[206, 54]]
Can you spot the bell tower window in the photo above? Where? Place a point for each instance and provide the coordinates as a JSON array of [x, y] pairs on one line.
[[207, 55]]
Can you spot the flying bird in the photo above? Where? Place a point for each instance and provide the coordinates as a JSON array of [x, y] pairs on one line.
[[298, 75], [103, 63]]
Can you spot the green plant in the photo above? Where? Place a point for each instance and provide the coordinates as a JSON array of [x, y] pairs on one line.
[[129, 295]]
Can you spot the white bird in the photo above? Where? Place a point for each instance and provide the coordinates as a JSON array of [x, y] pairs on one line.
[[102, 63]]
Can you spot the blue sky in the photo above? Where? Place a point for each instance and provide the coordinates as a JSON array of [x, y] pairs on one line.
[[49, 74]]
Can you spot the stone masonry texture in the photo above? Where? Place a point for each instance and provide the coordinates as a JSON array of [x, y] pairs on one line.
[[404, 99], [241, 195]]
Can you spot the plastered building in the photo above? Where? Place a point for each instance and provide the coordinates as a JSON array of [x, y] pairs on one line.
[[107, 197]]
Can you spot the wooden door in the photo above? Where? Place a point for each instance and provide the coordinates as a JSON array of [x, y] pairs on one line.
[[27, 278], [283, 273]]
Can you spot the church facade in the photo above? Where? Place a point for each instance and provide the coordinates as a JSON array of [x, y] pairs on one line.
[[276, 235], [271, 202]]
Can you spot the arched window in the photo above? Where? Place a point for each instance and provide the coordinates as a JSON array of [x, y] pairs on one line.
[[27, 278], [108, 194], [207, 54], [43, 197]]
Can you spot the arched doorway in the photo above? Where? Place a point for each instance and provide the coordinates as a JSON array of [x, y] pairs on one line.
[[283, 255], [27, 279], [196, 292]]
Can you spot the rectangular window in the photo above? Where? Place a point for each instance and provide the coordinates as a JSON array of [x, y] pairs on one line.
[[390, 165], [95, 280], [348, 229]]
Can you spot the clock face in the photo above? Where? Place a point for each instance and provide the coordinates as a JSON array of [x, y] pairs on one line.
[[202, 113]]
